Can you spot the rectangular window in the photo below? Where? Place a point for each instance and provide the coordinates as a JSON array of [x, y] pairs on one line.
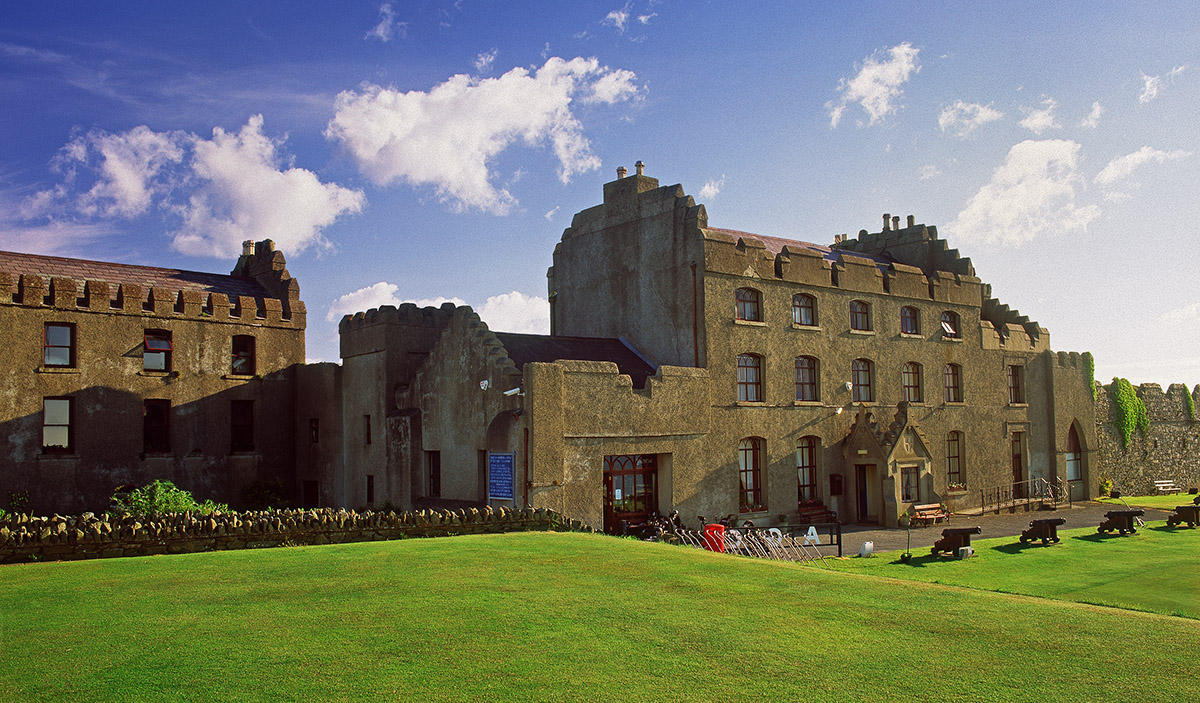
[[953, 383], [366, 429], [860, 381], [156, 354], [156, 426], [909, 485], [1016, 384], [58, 433], [749, 381], [58, 345], [241, 426], [433, 471], [954, 475], [860, 316], [806, 378], [750, 475], [804, 310], [243, 355], [370, 488], [314, 430], [911, 378], [806, 470]]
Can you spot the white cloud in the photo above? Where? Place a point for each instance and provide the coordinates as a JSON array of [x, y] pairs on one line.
[[1093, 118], [618, 19], [1188, 314], [516, 312], [437, 302], [373, 296], [877, 84], [1039, 120], [484, 61], [1152, 84], [387, 28], [712, 188], [645, 19], [963, 118], [1124, 166], [447, 137], [244, 194], [217, 191], [550, 215], [1031, 194], [129, 164], [930, 172]]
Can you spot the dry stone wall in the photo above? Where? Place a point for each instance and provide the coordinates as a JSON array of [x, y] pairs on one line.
[[26, 538], [1168, 449]]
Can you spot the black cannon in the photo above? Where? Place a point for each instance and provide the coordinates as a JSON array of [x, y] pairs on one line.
[[953, 538], [1045, 530], [1121, 521], [1185, 513]]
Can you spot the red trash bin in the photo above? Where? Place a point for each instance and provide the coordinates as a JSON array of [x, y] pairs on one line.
[[714, 537]]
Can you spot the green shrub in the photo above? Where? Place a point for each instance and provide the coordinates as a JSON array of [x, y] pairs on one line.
[[1130, 408], [160, 497], [18, 501], [1089, 374]]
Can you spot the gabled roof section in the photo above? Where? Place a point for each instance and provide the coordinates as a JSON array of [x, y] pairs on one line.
[[524, 348], [775, 245], [146, 276]]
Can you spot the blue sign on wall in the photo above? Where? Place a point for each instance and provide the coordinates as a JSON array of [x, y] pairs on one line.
[[500, 475]]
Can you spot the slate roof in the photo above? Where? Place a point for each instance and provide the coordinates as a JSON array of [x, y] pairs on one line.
[[524, 348], [83, 270], [775, 245]]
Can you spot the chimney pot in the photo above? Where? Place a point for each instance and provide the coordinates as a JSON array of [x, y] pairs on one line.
[[887, 221], [912, 221], [248, 247], [621, 171], [896, 222], [640, 166]]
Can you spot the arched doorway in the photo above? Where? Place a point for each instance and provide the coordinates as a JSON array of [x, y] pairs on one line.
[[1074, 463]]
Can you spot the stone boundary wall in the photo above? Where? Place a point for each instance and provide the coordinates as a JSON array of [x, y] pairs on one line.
[[1168, 449], [25, 538]]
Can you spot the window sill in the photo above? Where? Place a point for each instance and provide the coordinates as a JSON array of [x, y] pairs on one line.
[[56, 369], [1018, 405], [55, 456], [249, 453], [238, 377], [810, 328], [154, 374], [751, 403], [952, 340], [865, 333], [749, 323], [955, 403], [807, 403], [912, 335], [916, 403]]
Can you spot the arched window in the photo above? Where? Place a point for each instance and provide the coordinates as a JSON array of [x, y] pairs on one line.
[[750, 452], [860, 381], [748, 304], [953, 383], [910, 320], [860, 315], [806, 469], [954, 460], [749, 376], [806, 378], [804, 310], [951, 325], [911, 377]]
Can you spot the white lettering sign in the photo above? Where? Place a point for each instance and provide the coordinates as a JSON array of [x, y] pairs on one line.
[[812, 537]]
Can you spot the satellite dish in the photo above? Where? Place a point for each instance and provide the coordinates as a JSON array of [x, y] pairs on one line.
[[485, 384]]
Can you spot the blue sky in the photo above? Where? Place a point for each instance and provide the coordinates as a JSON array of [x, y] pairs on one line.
[[427, 150]]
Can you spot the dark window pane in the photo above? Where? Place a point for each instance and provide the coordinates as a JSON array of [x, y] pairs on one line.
[[56, 411], [57, 356], [154, 361], [56, 437], [58, 336]]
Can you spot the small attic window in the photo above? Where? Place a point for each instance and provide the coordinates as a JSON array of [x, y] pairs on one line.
[[951, 324], [748, 304]]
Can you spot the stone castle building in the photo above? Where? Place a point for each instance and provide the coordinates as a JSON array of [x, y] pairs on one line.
[[688, 367]]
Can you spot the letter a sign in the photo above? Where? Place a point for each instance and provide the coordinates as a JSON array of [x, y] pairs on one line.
[[812, 537]]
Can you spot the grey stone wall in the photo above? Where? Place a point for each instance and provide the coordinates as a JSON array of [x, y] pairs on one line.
[[1169, 449], [26, 538]]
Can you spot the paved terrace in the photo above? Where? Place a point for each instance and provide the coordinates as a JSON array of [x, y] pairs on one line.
[[1085, 514]]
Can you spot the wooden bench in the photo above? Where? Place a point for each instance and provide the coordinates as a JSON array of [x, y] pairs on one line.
[[1165, 487], [929, 514]]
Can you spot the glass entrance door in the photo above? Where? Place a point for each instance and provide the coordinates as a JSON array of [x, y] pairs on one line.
[[629, 490]]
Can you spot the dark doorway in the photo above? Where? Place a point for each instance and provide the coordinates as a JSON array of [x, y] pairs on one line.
[[862, 474], [630, 483], [312, 494], [433, 466], [1018, 464]]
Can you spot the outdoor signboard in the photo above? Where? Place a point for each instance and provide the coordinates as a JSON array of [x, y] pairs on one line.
[[500, 475]]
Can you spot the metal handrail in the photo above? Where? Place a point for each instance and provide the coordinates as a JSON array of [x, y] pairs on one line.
[[997, 498]]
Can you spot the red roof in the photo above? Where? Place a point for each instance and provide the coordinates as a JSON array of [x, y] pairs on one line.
[[775, 245], [146, 276]]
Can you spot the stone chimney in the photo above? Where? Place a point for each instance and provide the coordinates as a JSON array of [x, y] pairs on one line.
[[912, 221], [640, 167], [621, 171], [896, 222], [248, 247], [887, 221]]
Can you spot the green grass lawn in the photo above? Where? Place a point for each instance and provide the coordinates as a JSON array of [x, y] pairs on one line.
[[1161, 502], [1156, 570], [545, 616]]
